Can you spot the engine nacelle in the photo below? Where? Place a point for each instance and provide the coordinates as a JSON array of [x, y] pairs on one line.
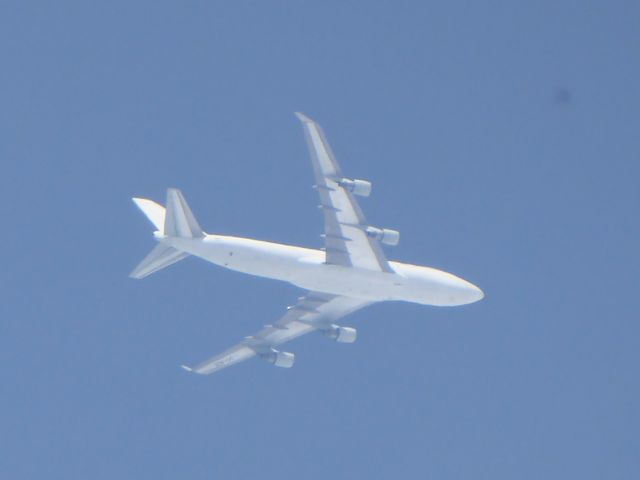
[[362, 188], [341, 334], [279, 359], [385, 235]]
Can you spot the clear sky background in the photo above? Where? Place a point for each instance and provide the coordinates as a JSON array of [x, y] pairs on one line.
[[502, 141]]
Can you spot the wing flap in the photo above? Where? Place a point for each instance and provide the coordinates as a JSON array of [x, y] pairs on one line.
[[236, 354]]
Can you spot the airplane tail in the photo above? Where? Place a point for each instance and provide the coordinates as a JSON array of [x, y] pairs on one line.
[[176, 220]]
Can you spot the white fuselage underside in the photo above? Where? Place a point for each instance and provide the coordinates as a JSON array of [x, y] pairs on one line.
[[305, 268]]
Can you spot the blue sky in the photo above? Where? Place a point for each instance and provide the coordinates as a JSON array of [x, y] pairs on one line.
[[454, 110]]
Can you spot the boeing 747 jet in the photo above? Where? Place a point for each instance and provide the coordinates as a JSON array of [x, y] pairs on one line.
[[349, 273]]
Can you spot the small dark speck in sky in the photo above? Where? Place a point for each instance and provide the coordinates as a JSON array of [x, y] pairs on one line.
[[562, 96]]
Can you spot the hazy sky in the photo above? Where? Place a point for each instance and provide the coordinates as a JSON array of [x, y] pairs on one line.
[[502, 141]]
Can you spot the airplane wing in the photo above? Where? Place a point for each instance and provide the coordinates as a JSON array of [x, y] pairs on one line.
[[347, 236], [314, 311]]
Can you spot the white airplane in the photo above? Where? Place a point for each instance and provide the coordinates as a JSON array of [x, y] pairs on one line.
[[349, 273]]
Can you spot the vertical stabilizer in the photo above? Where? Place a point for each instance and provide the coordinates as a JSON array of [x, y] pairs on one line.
[[179, 220]]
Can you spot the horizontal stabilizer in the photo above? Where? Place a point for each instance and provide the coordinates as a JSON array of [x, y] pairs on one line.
[[153, 211], [161, 256], [179, 220]]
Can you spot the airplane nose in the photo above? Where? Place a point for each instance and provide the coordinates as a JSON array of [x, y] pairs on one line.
[[469, 293], [478, 294], [453, 290]]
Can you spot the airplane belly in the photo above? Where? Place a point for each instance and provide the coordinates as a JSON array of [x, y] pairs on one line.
[[313, 274], [306, 269], [253, 257]]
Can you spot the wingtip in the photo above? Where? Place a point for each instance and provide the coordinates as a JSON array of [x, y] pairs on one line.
[[303, 118]]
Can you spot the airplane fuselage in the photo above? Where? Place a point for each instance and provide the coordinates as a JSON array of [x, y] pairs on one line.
[[306, 268]]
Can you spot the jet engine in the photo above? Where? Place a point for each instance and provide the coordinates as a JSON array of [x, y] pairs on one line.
[[362, 188], [385, 235], [279, 359], [341, 334]]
